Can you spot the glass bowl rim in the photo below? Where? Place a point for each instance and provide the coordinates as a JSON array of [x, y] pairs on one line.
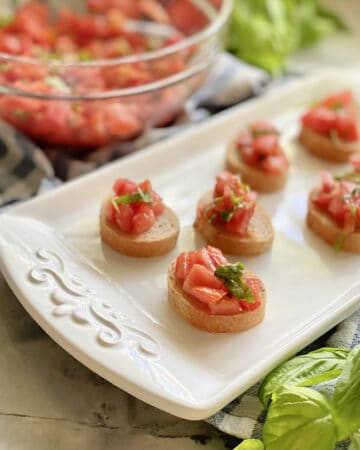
[[211, 29]]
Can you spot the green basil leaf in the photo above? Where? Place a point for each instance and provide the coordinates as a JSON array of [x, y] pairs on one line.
[[355, 441], [312, 368], [136, 197], [250, 444], [231, 276], [346, 397], [299, 418]]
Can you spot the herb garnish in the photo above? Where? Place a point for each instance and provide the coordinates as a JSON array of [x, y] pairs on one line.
[[135, 197], [339, 242], [231, 276], [354, 177]]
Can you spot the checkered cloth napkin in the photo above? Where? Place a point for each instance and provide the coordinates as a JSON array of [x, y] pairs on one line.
[[26, 170]]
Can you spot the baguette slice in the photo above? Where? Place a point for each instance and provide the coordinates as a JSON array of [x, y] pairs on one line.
[[258, 239], [323, 147], [196, 313], [257, 179], [160, 239], [323, 225]]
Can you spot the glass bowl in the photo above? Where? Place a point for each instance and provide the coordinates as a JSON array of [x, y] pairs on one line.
[[78, 101]]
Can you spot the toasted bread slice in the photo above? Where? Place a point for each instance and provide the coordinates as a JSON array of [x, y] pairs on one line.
[[323, 147], [257, 179], [159, 240], [323, 225], [197, 314], [258, 239]]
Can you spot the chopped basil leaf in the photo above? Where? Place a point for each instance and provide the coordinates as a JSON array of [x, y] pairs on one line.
[[85, 55], [337, 106], [262, 131], [5, 67], [57, 83], [227, 215], [350, 176], [231, 276], [115, 205], [136, 197], [6, 20], [339, 242]]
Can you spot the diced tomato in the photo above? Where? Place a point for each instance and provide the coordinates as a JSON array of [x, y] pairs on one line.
[[143, 221], [202, 284], [240, 221], [266, 144], [110, 213], [341, 99], [256, 287], [248, 155], [217, 257], [124, 186], [225, 179], [275, 164], [320, 119], [124, 218], [346, 127], [185, 16], [328, 182], [205, 259], [225, 307]]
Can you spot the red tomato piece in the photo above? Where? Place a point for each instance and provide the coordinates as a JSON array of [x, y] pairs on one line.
[[202, 284], [328, 182], [124, 218], [240, 221], [143, 221], [346, 127], [266, 144], [256, 286], [217, 257], [124, 186], [320, 119], [275, 164], [225, 307], [225, 179], [341, 99]]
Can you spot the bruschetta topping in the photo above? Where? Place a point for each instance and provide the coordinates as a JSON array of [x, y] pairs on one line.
[[340, 197], [259, 146], [232, 205], [222, 288], [133, 207], [334, 117]]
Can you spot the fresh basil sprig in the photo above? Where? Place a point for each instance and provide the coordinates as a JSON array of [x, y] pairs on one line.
[[135, 197], [231, 276], [303, 418]]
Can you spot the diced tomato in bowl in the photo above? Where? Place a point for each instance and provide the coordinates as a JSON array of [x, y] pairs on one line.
[[105, 64]]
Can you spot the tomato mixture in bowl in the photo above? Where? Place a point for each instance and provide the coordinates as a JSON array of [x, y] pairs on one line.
[[83, 78]]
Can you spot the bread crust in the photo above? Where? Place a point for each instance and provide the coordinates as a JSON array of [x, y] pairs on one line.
[[325, 148], [258, 239], [193, 311], [323, 225], [160, 239], [257, 179]]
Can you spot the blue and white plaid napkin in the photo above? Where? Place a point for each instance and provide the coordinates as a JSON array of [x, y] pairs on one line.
[[25, 170]]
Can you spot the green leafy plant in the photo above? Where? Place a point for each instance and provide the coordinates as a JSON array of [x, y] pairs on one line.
[[265, 32], [300, 417]]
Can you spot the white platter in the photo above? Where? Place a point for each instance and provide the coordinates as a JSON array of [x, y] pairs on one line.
[[111, 312]]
